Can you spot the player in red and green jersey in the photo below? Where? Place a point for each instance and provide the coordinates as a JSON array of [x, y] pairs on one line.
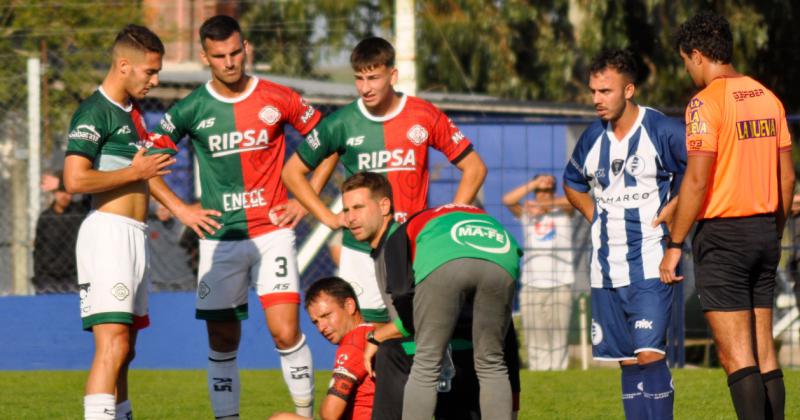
[[236, 125], [384, 132], [110, 156]]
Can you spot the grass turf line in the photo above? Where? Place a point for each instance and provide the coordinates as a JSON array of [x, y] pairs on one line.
[[182, 394]]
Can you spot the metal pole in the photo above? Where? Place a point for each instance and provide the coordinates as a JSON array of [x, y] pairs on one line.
[[34, 144], [583, 342], [405, 46]]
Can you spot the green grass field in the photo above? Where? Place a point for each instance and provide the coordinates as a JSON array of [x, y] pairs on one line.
[[179, 394]]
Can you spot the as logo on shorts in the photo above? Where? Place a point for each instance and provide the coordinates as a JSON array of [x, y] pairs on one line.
[[120, 291], [597, 333], [84, 295], [203, 290]]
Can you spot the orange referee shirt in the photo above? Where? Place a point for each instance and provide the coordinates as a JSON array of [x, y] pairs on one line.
[[742, 124]]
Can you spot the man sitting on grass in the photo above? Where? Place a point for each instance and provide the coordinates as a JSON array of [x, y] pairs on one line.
[[333, 307]]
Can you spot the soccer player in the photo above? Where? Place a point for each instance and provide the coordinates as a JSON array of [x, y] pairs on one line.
[[333, 307], [386, 132], [236, 124], [107, 157], [738, 186], [433, 264], [622, 176]]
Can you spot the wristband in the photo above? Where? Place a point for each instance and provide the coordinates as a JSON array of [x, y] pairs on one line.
[[371, 338], [674, 245]]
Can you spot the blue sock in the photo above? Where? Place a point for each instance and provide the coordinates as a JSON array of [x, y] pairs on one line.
[[632, 393], [659, 395]]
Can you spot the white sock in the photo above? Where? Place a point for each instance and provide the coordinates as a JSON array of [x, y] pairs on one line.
[[99, 407], [124, 411], [223, 384], [298, 373]]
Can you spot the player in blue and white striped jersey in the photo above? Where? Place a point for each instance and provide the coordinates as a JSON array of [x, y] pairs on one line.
[[623, 177]]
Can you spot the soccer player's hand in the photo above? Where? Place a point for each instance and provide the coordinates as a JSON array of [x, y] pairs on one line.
[[665, 215], [200, 220], [369, 354], [287, 214], [337, 221], [668, 265], [151, 165]]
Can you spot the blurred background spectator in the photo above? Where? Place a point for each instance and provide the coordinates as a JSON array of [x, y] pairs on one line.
[[56, 233], [547, 271], [172, 250]]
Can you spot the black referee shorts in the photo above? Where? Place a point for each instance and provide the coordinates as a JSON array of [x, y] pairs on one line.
[[735, 261]]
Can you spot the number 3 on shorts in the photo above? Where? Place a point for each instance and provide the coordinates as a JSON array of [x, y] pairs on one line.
[[282, 271]]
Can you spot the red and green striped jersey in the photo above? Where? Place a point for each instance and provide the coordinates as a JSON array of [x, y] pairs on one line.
[[408, 253], [240, 147], [109, 134], [452, 231], [396, 145]]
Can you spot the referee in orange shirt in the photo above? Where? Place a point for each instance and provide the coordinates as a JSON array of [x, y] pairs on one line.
[[738, 186]]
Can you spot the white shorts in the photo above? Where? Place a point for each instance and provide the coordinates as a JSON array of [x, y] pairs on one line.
[[112, 260], [228, 268], [358, 269]]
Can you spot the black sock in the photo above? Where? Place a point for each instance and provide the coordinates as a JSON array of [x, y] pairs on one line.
[[776, 394], [747, 393]]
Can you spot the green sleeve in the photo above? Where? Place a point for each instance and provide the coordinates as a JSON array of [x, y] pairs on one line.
[[87, 132], [320, 143]]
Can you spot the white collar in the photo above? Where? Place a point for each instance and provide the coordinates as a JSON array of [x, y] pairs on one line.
[[128, 108], [387, 117], [253, 83]]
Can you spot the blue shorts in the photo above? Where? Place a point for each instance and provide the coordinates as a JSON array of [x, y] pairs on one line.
[[630, 319]]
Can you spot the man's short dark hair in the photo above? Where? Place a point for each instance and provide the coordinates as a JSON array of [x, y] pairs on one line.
[[371, 53], [623, 61], [709, 33], [334, 287], [218, 28], [139, 38], [377, 184]]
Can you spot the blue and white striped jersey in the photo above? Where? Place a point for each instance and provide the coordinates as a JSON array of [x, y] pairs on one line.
[[631, 179]]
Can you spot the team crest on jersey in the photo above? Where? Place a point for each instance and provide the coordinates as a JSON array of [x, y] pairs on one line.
[[120, 291], [597, 333], [203, 290], [269, 115], [616, 166], [125, 129], [634, 165], [417, 134]]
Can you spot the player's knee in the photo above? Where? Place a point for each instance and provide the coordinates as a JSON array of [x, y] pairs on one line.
[[646, 357], [223, 339], [286, 337], [114, 350]]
